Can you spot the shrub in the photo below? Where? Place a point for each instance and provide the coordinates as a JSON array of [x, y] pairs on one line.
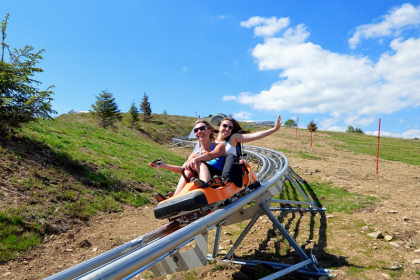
[[312, 126]]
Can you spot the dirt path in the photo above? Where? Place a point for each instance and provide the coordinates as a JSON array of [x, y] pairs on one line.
[[339, 241]]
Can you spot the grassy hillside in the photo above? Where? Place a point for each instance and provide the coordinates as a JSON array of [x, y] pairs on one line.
[[57, 173], [395, 149]]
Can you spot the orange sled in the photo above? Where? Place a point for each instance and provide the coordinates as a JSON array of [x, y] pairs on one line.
[[190, 198]]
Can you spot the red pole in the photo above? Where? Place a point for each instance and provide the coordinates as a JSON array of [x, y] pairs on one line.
[[297, 124], [311, 138], [377, 151]]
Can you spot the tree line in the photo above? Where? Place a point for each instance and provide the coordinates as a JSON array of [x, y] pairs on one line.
[[312, 126], [106, 110]]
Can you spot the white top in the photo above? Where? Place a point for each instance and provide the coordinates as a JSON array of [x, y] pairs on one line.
[[229, 148]]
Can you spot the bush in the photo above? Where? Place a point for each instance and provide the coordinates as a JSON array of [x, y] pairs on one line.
[[351, 129], [312, 126], [290, 123]]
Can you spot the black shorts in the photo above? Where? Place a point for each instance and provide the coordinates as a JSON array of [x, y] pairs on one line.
[[213, 170]]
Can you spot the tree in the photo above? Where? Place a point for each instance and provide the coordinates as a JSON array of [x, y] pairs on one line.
[[106, 109], [359, 130], [145, 108], [312, 126], [351, 129], [20, 99], [134, 113], [290, 123]]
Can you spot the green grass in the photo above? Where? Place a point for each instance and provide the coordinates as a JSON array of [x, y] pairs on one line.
[[87, 169], [119, 155], [16, 236], [334, 199], [395, 149], [300, 154]]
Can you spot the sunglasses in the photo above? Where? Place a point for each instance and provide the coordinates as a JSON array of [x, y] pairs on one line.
[[201, 128], [227, 126]]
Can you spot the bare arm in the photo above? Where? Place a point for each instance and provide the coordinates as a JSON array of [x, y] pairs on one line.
[[243, 138], [170, 167], [174, 168], [218, 151]]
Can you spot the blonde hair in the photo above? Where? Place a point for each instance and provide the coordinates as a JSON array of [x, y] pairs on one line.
[[208, 126]]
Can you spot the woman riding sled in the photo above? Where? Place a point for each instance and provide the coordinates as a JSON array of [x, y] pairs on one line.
[[206, 166]]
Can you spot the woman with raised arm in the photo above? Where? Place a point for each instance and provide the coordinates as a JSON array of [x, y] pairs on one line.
[[206, 167], [231, 134]]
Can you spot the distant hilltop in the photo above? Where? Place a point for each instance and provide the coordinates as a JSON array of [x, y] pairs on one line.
[[77, 112]]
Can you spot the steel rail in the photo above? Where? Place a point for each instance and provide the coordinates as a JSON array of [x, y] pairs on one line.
[[135, 256], [138, 258]]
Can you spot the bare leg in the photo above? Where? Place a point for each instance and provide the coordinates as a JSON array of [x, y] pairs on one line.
[[203, 172], [182, 182]]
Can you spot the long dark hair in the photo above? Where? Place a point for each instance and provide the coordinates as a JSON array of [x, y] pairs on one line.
[[236, 126]]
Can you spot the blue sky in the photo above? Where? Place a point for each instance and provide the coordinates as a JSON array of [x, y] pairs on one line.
[[338, 63]]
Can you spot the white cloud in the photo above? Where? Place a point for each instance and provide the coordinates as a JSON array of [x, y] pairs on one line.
[[391, 24], [409, 134], [266, 27], [337, 128], [241, 116], [184, 70], [358, 121], [412, 133], [229, 98], [351, 89]]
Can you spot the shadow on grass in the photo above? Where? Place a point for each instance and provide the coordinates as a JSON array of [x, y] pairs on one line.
[[37, 154], [275, 248], [55, 193]]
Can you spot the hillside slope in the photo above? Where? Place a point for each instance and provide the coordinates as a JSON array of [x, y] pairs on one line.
[[55, 174], [339, 167]]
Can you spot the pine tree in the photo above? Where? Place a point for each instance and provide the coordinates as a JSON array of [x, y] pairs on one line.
[[20, 99], [106, 109], [134, 113], [312, 126], [145, 108]]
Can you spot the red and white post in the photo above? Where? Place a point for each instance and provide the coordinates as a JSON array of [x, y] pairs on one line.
[[377, 151]]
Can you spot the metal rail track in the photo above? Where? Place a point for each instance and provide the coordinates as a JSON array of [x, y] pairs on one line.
[[160, 249]]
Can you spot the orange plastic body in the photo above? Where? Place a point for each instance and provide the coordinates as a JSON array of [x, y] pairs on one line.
[[222, 192]]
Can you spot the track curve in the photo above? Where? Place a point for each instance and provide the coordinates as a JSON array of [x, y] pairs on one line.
[[127, 260]]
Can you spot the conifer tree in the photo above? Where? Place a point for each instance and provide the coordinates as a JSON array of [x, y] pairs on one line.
[[20, 99], [312, 126], [134, 114], [106, 109], [145, 108]]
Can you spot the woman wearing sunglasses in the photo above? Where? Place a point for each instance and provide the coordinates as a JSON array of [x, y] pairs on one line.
[[230, 133], [200, 162]]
